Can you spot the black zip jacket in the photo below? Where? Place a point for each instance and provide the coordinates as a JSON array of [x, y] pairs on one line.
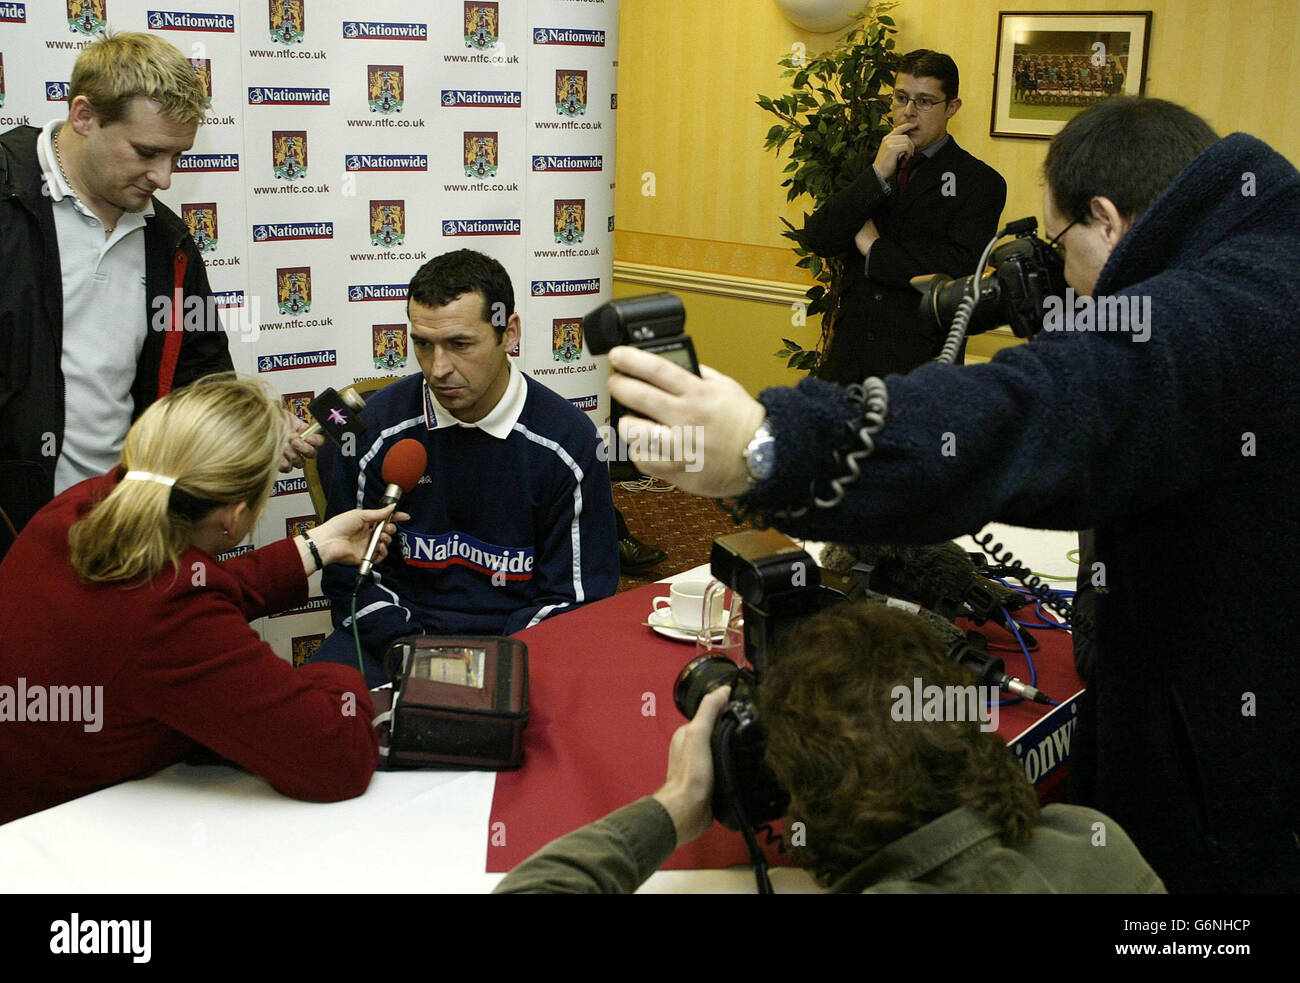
[[31, 327]]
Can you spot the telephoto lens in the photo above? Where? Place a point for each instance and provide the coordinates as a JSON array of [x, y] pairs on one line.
[[699, 678]]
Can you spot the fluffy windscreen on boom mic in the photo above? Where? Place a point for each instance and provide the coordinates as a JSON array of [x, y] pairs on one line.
[[404, 465]]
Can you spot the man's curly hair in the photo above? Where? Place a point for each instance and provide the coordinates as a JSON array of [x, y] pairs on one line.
[[859, 779]]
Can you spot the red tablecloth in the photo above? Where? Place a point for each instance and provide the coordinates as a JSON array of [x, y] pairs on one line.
[[601, 714]]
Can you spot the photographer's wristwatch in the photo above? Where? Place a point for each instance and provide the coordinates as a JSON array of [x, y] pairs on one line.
[[760, 455]]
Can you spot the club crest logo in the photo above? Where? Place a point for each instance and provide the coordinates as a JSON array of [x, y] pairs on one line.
[[298, 525], [297, 403], [482, 25], [570, 92], [293, 289], [201, 219], [570, 219], [566, 339], [482, 151], [387, 85], [387, 223], [288, 20], [304, 647], [87, 17], [289, 154], [203, 69], [389, 345]]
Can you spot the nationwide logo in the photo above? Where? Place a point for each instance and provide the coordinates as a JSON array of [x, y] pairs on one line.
[[363, 30], [180, 20], [203, 69], [514, 352], [389, 346], [288, 20], [570, 219], [13, 13], [568, 162], [289, 154], [228, 298], [201, 220], [387, 162], [298, 525], [482, 151], [297, 403], [490, 99], [304, 647], [611, 223], [482, 25], [481, 227], [613, 100], [282, 231], [313, 604], [566, 288], [293, 289], [387, 88], [197, 163], [566, 339], [459, 549], [570, 92], [289, 486], [87, 17], [585, 403], [363, 292], [230, 554], [568, 35], [297, 360], [56, 91], [387, 222], [280, 95]]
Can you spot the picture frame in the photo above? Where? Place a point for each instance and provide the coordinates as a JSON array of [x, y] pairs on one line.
[[1050, 66]]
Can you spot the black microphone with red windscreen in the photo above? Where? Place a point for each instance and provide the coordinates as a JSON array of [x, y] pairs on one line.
[[403, 466]]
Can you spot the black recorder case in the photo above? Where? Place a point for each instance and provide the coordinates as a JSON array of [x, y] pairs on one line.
[[456, 702]]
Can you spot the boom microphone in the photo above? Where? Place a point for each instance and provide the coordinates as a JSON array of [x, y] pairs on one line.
[[404, 464]]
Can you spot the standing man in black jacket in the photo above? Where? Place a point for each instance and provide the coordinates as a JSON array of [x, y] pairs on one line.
[[924, 206], [104, 302]]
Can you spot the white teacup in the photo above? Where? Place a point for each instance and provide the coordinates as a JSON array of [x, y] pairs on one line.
[[685, 600]]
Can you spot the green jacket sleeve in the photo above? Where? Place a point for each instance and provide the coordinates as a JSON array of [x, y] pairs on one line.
[[614, 855]]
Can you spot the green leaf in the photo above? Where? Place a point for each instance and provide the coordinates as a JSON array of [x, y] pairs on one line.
[[794, 346]]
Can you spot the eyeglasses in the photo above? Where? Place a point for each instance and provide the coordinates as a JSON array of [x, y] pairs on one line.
[[1055, 244], [923, 103]]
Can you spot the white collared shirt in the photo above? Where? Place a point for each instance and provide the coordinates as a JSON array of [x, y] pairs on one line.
[[104, 323], [498, 423]]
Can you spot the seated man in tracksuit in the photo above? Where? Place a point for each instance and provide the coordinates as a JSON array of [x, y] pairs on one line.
[[513, 519]]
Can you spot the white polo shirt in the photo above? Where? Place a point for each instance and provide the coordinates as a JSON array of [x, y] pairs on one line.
[[104, 324]]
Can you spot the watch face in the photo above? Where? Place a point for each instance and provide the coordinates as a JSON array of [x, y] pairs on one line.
[[760, 455]]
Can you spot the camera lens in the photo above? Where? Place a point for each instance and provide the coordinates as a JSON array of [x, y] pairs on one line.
[[699, 678]]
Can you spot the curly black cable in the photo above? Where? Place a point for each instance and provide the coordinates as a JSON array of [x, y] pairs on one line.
[[1044, 594]]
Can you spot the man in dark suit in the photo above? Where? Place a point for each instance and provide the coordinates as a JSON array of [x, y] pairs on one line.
[[924, 206]]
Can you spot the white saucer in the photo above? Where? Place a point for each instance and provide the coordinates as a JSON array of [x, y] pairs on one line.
[[662, 622]]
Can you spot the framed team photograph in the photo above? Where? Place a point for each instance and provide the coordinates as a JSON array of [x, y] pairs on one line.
[[1051, 66]]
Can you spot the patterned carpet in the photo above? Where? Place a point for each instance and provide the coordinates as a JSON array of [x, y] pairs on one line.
[[684, 526]]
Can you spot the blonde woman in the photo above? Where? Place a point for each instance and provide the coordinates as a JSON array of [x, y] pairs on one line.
[[124, 641]]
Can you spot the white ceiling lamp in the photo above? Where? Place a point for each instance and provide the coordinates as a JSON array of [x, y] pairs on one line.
[[820, 16]]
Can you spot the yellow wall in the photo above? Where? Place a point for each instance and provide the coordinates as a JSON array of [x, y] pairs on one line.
[[689, 73]]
